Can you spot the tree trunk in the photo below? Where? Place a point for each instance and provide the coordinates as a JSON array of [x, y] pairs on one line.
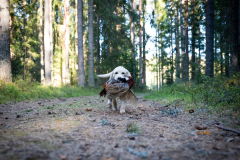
[[193, 40], [235, 43], [66, 73], [140, 45], [171, 14], [5, 59], [185, 56], [41, 42], [144, 44], [133, 44], [162, 62], [182, 34], [81, 72], [209, 39], [177, 46], [47, 46], [90, 45], [98, 47], [156, 58], [51, 40]]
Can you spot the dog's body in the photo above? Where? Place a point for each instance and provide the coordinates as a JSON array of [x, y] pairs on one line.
[[117, 73]]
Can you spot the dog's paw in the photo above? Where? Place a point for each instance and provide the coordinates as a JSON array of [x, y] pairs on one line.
[[122, 111], [113, 108]]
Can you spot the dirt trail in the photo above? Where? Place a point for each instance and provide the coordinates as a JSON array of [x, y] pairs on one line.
[[64, 129]]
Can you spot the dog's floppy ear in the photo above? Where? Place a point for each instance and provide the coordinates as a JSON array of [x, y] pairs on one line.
[[128, 74], [105, 75]]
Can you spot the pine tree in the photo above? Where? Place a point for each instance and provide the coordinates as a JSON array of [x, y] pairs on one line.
[[47, 45], [90, 45], [140, 45], [41, 41], [209, 38], [81, 72], [5, 60], [185, 75]]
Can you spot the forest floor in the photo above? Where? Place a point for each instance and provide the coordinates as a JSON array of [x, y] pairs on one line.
[[85, 128]]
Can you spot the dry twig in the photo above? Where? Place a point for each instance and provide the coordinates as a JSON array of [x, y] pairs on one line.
[[228, 129]]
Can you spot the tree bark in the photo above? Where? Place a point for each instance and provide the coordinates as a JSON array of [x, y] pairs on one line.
[[209, 39], [41, 42], [182, 34], [140, 44], [185, 56], [5, 59], [133, 44], [171, 15], [90, 45], [235, 32], [193, 40], [98, 47], [66, 73], [51, 40], [177, 46], [81, 72], [47, 46], [144, 44]]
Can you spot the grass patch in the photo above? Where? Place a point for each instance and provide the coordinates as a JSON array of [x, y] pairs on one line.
[[27, 90], [132, 127], [218, 94]]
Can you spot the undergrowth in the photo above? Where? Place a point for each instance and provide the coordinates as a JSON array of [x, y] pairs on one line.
[[26, 90], [213, 93]]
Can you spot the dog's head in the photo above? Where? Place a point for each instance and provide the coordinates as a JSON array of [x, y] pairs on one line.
[[118, 73]]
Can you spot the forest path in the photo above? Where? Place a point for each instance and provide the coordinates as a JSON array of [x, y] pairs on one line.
[[85, 128]]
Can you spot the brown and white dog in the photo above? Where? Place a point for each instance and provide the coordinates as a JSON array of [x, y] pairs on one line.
[[118, 73]]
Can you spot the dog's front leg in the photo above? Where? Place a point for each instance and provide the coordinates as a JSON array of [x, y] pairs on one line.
[[110, 103], [122, 110], [114, 107]]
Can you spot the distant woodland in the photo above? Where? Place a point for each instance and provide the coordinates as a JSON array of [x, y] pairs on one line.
[[59, 42]]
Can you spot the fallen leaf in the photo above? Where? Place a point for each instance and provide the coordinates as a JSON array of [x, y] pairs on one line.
[[203, 132], [144, 100], [143, 109], [200, 127], [88, 109]]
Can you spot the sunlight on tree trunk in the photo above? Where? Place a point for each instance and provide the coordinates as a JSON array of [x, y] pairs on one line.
[[47, 45], [66, 73], [81, 71], [5, 59], [41, 41], [133, 44]]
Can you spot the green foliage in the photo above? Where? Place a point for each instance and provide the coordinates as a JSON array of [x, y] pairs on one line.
[[216, 93], [132, 127], [25, 90]]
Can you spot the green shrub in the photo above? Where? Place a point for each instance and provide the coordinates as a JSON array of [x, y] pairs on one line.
[[24, 90]]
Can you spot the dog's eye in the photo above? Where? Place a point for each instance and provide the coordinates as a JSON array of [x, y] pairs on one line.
[[123, 73], [116, 72]]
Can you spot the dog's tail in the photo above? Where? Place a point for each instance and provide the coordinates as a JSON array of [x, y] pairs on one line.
[[104, 75]]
